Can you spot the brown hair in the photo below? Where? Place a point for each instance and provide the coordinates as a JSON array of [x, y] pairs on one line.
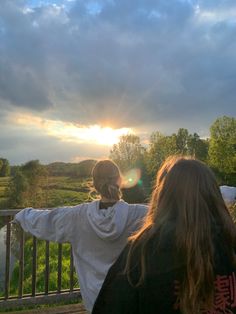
[[187, 191], [106, 179]]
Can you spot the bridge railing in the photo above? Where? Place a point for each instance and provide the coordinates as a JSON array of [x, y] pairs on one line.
[[6, 299]]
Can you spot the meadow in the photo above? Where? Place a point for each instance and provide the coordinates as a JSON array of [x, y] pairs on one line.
[[56, 191]]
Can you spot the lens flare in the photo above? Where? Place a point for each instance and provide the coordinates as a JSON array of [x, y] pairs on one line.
[[131, 178]]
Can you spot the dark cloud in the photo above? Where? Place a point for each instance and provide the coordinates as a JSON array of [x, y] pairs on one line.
[[129, 63]]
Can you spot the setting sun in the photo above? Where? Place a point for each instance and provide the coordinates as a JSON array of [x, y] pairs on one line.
[[67, 131], [94, 134]]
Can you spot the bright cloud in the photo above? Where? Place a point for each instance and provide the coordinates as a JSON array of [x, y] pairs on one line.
[[216, 15], [92, 134]]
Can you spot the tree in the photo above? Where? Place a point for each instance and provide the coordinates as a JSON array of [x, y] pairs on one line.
[[128, 153], [35, 174], [182, 143], [222, 149], [4, 167], [17, 191], [191, 144], [197, 147], [26, 185], [182, 140], [160, 148]]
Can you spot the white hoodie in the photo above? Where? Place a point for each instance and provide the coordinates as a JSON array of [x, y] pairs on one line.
[[97, 236]]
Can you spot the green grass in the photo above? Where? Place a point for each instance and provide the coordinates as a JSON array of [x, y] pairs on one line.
[[53, 265], [56, 191], [62, 191], [63, 198], [68, 183]]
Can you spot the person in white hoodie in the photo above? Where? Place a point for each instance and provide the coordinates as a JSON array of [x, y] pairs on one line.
[[97, 231]]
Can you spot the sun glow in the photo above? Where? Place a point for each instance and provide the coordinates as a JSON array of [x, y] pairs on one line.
[[67, 131]]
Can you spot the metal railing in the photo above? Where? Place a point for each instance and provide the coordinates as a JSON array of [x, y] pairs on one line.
[[7, 300]]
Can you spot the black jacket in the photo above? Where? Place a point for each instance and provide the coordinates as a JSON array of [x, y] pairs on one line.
[[159, 293]]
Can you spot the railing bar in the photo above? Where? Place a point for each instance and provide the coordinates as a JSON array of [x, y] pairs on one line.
[[59, 268], [40, 294], [46, 267], [9, 212], [21, 264], [8, 258], [34, 266], [28, 295], [71, 270]]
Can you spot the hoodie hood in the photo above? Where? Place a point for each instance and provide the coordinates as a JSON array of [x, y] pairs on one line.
[[108, 223]]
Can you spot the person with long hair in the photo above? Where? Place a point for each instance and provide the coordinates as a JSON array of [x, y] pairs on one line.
[[182, 260], [97, 231]]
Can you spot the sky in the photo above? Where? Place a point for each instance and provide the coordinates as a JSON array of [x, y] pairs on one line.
[[77, 74]]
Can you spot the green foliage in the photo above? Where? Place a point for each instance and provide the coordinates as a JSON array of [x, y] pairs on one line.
[[198, 147], [40, 273], [79, 170], [180, 143], [17, 191], [58, 197], [4, 167], [25, 188], [62, 191], [128, 153], [160, 148], [54, 191], [4, 184], [222, 150]]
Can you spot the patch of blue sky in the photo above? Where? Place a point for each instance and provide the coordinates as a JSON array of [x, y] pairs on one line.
[[40, 3], [154, 14], [2, 27], [94, 7]]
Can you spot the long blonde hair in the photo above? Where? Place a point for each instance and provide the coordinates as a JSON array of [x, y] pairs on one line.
[[107, 179], [187, 191]]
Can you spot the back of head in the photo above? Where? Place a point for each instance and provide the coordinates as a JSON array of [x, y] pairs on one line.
[[187, 190], [187, 193], [107, 179]]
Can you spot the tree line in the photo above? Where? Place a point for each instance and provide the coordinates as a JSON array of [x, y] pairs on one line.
[[218, 151]]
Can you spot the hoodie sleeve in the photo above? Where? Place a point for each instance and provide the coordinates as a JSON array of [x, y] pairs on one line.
[[52, 225]]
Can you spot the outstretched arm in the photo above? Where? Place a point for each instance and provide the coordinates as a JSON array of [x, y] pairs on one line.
[[53, 225]]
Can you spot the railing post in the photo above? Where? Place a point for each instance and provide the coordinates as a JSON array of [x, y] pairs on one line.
[[71, 270], [34, 266], [8, 258], [59, 268], [21, 264], [46, 267]]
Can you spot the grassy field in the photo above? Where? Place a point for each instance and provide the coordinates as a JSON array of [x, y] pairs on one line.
[[57, 191], [61, 191]]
